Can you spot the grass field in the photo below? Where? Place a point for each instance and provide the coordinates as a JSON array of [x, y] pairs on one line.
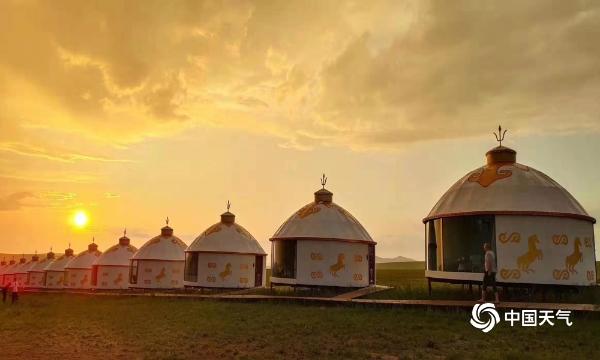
[[408, 281], [66, 326], [48, 326]]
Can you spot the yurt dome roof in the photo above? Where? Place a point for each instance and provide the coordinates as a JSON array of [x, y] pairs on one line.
[[162, 247], [226, 236], [324, 220], [8, 269], [29, 265], [41, 265], [4, 267], [59, 263], [505, 187], [85, 259], [119, 254], [18, 269]]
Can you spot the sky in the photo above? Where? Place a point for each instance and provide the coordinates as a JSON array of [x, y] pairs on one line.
[[137, 110]]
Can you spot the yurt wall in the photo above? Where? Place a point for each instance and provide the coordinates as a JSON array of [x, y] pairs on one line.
[[228, 270], [55, 279], [157, 274], [332, 263], [36, 279], [112, 277], [545, 250], [78, 278]]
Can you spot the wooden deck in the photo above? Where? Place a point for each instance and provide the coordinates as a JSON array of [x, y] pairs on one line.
[[362, 292], [343, 299]]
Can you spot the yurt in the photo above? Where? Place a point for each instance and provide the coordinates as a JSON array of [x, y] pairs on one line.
[[322, 245], [541, 234], [7, 274], [225, 256], [3, 266], [22, 273], [55, 271], [78, 271], [36, 274], [15, 271], [111, 269], [159, 263]]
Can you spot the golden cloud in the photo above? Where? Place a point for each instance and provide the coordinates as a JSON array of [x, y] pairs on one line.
[[311, 73]]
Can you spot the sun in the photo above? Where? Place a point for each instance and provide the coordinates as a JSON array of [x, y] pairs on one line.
[[80, 219]]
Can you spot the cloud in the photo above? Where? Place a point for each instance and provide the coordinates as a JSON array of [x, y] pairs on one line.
[[14, 201], [43, 199], [311, 73], [48, 154], [466, 66], [57, 196], [49, 177]]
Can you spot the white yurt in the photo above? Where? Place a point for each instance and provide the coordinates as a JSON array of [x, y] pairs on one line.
[[55, 271], [322, 245], [541, 234], [36, 274], [8, 275], [225, 256], [15, 272], [159, 263], [22, 273], [111, 269], [3, 266], [78, 271]]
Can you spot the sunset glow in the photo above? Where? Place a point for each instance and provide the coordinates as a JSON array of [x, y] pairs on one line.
[[136, 112]]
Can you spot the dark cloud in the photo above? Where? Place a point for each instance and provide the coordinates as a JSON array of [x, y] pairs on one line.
[[466, 66], [311, 72]]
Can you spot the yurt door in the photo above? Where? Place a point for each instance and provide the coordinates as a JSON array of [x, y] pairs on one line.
[[258, 270], [95, 275], [371, 264]]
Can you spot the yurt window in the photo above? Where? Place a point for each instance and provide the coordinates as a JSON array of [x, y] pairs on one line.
[[284, 259], [133, 272], [462, 242], [191, 267]]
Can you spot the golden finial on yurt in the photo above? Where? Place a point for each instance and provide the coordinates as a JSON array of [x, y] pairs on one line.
[[323, 181], [500, 135], [227, 217]]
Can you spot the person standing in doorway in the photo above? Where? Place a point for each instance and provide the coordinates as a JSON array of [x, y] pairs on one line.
[[489, 276]]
